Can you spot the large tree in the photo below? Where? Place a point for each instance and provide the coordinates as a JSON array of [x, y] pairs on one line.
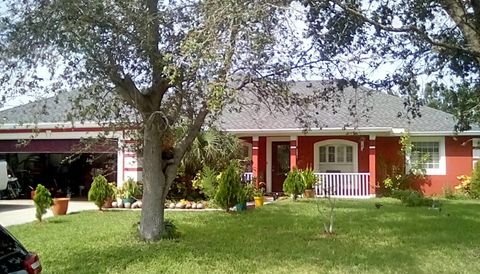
[[166, 64], [406, 46]]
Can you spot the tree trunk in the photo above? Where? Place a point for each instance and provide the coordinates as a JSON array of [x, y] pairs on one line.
[[154, 184]]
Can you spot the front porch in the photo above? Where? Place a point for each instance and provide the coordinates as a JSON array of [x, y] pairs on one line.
[[345, 166], [338, 185]]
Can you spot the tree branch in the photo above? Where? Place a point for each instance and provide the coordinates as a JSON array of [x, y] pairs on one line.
[[473, 48]]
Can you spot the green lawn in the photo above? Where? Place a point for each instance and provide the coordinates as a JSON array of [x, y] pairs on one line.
[[284, 237]]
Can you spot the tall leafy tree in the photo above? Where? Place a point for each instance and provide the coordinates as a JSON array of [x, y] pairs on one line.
[[163, 64], [401, 45]]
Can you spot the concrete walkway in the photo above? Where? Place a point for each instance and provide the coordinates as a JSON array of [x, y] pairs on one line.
[[14, 212]]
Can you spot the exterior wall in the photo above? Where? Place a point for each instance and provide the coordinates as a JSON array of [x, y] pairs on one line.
[[389, 158], [458, 153], [305, 150], [459, 162]]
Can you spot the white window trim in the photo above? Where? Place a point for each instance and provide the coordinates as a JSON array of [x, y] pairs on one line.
[[335, 142], [442, 168], [250, 148]]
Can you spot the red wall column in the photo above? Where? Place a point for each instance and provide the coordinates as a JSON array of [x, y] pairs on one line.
[[255, 164], [293, 152], [372, 164]]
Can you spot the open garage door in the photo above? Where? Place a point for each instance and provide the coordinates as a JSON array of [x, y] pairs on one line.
[[64, 166]]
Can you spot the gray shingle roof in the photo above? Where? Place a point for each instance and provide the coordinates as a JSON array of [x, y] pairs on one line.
[[49, 110], [374, 110]]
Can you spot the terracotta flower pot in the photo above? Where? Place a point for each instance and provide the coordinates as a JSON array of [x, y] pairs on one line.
[[108, 203], [309, 193], [60, 206]]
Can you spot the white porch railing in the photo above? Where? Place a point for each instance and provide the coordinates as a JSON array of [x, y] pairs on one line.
[[343, 185], [247, 177]]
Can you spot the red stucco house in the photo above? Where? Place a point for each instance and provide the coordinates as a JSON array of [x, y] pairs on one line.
[[352, 149], [353, 154]]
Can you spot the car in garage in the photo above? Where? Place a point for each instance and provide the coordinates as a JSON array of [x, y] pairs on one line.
[[14, 257]]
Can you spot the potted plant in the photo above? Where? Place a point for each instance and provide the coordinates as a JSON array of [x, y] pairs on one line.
[[119, 196], [309, 180], [100, 191], [245, 194], [228, 187], [60, 205], [42, 200], [258, 197], [294, 184], [129, 190], [241, 200], [112, 191]]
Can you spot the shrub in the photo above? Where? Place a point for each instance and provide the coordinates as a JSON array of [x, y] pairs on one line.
[[209, 182], [42, 200], [396, 182], [100, 191], [294, 183], [241, 196], [130, 189], [464, 185], [228, 187], [170, 231], [249, 190], [475, 182], [412, 198], [309, 178], [448, 193]]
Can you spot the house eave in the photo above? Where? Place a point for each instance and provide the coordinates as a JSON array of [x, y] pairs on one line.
[[445, 133], [38, 126], [311, 131], [381, 131]]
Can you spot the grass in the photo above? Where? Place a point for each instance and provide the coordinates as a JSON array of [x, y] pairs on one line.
[[284, 237]]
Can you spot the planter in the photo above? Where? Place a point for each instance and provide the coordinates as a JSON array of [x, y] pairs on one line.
[[60, 206], [309, 193], [259, 201], [108, 203], [241, 207], [119, 202], [128, 200]]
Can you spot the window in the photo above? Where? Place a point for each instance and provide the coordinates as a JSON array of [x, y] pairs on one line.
[[336, 154], [428, 153], [247, 156]]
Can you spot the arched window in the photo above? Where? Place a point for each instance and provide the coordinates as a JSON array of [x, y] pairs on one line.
[[336, 155]]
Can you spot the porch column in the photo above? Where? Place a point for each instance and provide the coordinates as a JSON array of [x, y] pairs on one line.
[[372, 164], [255, 159], [293, 152], [131, 162]]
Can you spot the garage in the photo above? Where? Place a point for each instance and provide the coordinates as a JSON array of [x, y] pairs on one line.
[[65, 166]]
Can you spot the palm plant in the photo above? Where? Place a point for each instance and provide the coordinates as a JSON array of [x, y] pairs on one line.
[[213, 148]]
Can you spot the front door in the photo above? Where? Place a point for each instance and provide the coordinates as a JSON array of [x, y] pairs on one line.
[[280, 164]]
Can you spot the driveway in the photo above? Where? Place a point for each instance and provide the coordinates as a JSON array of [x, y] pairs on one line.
[[14, 212]]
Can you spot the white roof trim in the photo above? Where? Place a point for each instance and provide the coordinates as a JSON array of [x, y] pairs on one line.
[[445, 133], [384, 130], [50, 125]]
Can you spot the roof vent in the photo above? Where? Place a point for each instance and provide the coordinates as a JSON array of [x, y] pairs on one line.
[[309, 85]]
